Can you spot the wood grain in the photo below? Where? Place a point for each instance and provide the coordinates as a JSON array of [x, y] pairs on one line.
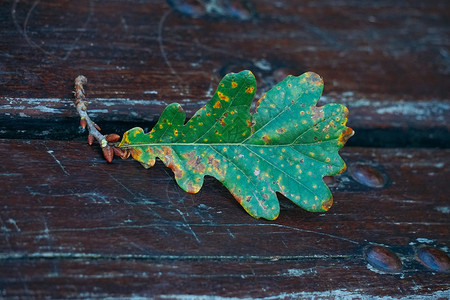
[[387, 62], [97, 225], [73, 226]]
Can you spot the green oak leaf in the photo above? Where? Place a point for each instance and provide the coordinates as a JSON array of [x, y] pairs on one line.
[[287, 145]]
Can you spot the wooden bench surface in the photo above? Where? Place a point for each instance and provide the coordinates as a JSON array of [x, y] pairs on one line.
[[74, 226]]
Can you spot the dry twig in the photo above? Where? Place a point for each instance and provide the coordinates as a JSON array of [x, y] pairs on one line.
[[107, 142]]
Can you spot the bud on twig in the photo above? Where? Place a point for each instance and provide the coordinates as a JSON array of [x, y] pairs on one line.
[[121, 153], [90, 139], [112, 138], [118, 152], [108, 153], [83, 123], [97, 127]]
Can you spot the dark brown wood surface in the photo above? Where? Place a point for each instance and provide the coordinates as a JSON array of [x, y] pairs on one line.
[[74, 226]]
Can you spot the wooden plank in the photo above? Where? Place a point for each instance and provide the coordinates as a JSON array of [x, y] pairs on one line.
[[86, 226], [149, 46], [305, 279], [73, 226], [387, 62]]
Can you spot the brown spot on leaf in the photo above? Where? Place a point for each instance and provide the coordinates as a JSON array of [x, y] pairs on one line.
[[189, 154], [259, 102], [168, 161], [192, 188], [217, 105], [317, 113], [266, 139], [281, 130], [345, 135], [313, 78], [196, 164], [327, 204], [215, 164], [136, 153]]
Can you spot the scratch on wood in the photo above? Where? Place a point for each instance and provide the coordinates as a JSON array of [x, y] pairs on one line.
[[6, 233], [188, 226], [161, 44], [296, 229], [121, 184], [58, 162], [182, 201], [231, 234], [13, 222], [45, 234], [23, 30]]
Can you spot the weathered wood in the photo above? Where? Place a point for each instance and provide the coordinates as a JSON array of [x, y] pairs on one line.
[[71, 221], [73, 226], [387, 62], [212, 278]]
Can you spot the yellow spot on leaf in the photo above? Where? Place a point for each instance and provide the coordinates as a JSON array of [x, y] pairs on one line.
[[217, 105], [234, 84], [250, 89], [266, 139], [222, 96]]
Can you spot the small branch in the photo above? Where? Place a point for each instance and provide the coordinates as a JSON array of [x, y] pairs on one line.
[[105, 141], [81, 104]]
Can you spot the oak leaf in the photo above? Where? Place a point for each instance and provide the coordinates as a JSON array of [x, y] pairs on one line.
[[287, 145]]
